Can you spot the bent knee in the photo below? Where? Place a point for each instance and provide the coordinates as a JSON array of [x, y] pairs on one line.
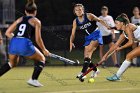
[[43, 59], [129, 56], [12, 64]]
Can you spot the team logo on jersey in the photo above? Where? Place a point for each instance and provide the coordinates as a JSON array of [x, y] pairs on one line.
[[85, 25]]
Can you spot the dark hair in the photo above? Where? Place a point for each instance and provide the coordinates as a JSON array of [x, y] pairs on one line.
[[76, 5], [135, 8], [104, 8], [123, 18], [30, 6]]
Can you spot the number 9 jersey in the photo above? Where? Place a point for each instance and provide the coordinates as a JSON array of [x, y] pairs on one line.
[[24, 29], [21, 43]]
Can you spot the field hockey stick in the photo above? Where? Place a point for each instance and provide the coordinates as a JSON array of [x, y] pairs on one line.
[[107, 57], [89, 70], [64, 59]]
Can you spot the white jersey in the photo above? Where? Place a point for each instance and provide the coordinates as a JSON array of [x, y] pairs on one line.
[[135, 20], [137, 33], [109, 20]]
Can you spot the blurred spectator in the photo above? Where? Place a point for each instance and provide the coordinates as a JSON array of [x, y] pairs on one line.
[[108, 35], [135, 19], [2, 50]]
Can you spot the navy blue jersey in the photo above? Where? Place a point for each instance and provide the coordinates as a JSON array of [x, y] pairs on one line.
[[86, 26], [24, 29]]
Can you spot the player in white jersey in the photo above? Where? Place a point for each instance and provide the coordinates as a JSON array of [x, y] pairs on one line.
[[132, 33], [107, 35]]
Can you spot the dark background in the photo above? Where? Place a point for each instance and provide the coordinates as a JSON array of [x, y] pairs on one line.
[[60, 12]]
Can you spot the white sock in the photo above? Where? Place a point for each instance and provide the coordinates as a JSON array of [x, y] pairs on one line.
[[134, 61], [123, 68], [10, 64]]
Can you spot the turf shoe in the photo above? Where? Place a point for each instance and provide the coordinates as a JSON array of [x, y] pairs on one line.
[[81, 78], [95, 73], [34, 83], [113, 78], [80, 75]]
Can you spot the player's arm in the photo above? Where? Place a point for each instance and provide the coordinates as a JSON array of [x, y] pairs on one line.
[[72, 37], [10, 30], [112, 24], [113, 34], [38, 37], [128, 31], [1, 37], [92, 17]]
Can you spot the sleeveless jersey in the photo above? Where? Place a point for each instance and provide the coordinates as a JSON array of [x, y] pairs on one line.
[[86, 26], [136, 34], [135, 21], [24, 29]]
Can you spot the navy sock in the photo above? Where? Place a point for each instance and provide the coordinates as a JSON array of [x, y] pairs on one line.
[[93, 65], [5, 68], [37, 70], [86, 65]]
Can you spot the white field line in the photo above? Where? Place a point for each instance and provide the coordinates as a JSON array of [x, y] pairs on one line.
[[94, 90]]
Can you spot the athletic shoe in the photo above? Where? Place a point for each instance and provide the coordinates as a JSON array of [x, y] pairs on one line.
[[79, 75], [95, 73], [113, 78], [34, 83], [117, 65], [81, 78]]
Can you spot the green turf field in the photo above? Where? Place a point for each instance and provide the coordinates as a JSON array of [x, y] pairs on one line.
[[62, 80]]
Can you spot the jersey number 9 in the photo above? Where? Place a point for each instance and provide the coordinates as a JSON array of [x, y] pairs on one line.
[[22, 29]]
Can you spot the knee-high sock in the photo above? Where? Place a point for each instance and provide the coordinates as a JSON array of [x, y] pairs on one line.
[[5, 68], [86, 65], [37, 70], [91, 65], [123, 68]]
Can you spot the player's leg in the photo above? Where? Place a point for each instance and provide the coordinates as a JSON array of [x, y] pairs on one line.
[[87, 56], [101, 51], [88, 53], [7, 66], [114, 56], [134, 53], [134, 61], [39, 59], [3, 53]]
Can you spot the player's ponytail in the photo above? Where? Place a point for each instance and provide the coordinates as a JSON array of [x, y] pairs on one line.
[[30, 6], [123, 18]]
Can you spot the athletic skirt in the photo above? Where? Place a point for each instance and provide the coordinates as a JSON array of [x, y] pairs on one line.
[[95, 35], [21, 46]]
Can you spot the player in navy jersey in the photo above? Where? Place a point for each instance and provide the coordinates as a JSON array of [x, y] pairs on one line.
[[20, 33], [85, 23]]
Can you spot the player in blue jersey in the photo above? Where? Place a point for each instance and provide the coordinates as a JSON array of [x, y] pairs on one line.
[[20, 33], [85, 23]]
